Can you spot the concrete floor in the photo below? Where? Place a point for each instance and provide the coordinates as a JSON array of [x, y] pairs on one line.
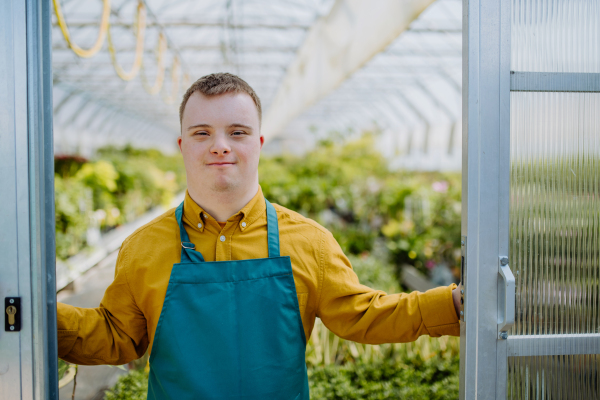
[[87, 291]]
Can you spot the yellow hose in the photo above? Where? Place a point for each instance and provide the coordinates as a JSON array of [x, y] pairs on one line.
[[175, 82], [84, 53], [139, 46], [160, 73]]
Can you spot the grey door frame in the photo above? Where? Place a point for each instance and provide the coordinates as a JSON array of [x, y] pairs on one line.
[[485, 222], [28, 358]]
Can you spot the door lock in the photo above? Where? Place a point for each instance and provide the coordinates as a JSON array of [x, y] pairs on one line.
[[12, 314]]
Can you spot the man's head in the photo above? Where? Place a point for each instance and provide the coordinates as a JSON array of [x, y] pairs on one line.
[[220, 135]]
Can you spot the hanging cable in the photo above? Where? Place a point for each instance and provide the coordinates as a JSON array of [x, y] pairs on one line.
[[84, 53], [139, 46], [175, 81], [160, 67]]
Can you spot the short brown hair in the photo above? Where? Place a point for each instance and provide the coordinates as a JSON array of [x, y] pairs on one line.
[[220, 83]]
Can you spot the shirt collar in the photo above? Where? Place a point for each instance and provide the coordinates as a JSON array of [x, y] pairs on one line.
[[196, 217]]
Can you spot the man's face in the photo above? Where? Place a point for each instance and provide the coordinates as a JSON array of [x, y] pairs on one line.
[[220, 142]]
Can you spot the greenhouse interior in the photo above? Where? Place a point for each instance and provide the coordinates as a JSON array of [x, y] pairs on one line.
[[435, 162]]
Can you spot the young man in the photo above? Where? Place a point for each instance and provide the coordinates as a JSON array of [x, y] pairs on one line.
[[225, 289]]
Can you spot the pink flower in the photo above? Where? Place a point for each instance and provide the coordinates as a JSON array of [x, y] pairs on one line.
[[440, 186]]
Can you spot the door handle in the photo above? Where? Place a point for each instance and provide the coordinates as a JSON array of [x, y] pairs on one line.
[[506, 297]]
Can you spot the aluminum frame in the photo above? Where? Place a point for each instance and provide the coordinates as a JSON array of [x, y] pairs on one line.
[[551, 345], [485, 200], [28, 359], [554, 82]]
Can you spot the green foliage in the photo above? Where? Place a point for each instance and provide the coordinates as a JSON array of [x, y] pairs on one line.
[[73, 203], [435, 378], [117, 187], [348, 187], [423, 220], [66, 166], [146, 178], [63, 366], [132, 386]]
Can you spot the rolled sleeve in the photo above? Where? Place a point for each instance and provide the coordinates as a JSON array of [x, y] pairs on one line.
[[438, 312]]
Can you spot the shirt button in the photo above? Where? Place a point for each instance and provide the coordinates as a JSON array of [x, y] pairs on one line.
[[243, 224], [205, 216], [200, 225], [222, 238]]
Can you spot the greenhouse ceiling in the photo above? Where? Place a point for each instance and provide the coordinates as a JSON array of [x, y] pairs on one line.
[[319, 66]]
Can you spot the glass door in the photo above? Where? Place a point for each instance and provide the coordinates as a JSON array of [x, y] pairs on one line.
[[531, 200], [554, 244]]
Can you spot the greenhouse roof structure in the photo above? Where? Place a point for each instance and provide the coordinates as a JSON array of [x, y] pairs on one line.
[[121, 66]]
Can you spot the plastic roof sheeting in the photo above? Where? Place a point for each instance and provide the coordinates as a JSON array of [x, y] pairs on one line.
[[411, 91]]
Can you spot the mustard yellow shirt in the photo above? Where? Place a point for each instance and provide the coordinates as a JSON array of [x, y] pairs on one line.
[[122, 328]]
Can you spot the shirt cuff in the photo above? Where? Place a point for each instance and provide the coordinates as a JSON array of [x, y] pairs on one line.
[[438, 312], [67, 331]]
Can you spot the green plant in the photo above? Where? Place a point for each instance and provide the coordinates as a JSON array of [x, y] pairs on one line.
[[115, 188], [411, 377], [348, 187], [423, 220], [63, 366], [73, 204], [132, 386]]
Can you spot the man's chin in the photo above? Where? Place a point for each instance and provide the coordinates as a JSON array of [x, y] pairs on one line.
[[224, 186]]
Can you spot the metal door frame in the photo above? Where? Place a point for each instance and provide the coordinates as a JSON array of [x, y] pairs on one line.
[[485, 199], [28, 359]]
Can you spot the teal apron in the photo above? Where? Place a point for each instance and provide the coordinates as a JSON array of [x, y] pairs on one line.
[[230, 329]]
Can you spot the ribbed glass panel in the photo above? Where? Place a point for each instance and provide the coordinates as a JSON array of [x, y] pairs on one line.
[[554, 236], [554, 377], [555, 35]]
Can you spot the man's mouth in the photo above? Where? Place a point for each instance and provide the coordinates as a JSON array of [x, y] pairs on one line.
[[219, 164]]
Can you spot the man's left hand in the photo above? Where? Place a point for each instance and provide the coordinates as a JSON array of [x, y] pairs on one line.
[[456, 299]]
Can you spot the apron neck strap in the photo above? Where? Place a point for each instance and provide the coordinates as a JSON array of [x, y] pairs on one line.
[[272, 230], [188, 249]]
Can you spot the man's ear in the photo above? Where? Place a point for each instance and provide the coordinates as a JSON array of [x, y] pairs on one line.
[[262, 141], [179, 140]]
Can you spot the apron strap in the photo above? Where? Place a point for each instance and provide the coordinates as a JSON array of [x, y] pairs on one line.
[[272, 230], [188, 249]]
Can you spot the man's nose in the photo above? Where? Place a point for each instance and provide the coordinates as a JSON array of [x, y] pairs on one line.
[[220, 145]]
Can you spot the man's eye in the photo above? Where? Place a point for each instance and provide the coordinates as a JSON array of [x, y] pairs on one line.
[[201, 133], [238, 133]]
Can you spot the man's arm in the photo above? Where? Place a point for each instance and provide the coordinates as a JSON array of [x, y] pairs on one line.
[[114, 333], [359, 313]]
